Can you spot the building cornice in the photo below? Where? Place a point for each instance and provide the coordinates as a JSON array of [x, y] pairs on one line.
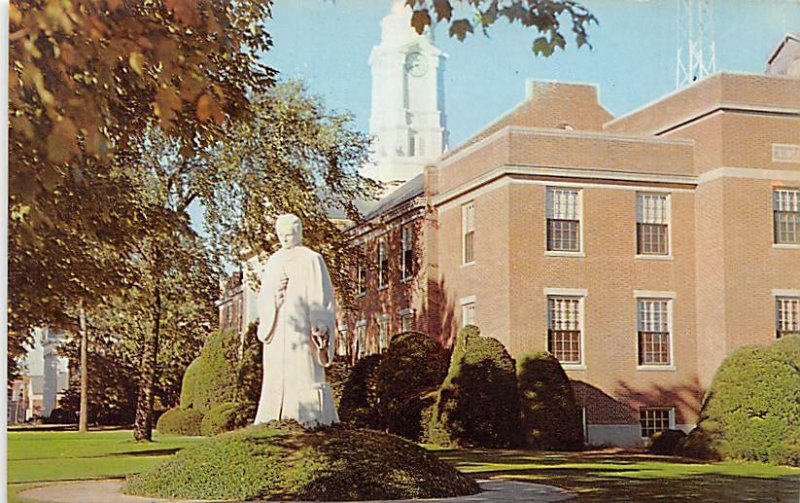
[[569, 173]]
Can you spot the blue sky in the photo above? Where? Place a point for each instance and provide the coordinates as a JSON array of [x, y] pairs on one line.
[[633, 60]]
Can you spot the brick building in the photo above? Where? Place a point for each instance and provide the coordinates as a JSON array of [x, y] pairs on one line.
[[640, 250]]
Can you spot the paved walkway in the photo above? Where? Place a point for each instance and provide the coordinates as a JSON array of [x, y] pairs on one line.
[[105, 491]]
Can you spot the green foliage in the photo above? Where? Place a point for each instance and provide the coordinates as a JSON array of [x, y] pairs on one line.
[[189, 383], [180, 422], [249, 374], [336, 376], [217, 374], [465, 16], [665, 442], [478, 401], [281, 461], [411, 369], [549, 414], [752, 408], [221, 418], [359, 403]]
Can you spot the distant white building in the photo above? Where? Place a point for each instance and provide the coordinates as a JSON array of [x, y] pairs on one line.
[[45, 378]]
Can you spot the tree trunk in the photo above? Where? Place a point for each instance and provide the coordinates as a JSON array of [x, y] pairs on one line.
[[83, 420], [143, 424]]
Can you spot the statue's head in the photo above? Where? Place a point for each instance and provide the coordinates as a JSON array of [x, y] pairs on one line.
[[289, 230]]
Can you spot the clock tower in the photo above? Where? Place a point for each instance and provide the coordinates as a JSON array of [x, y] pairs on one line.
[[407, 117]]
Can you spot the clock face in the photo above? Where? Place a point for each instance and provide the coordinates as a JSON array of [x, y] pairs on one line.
[[416, 64]]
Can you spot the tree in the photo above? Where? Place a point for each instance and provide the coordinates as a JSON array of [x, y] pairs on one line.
[[86, 78], [293, 156], [543, 15]]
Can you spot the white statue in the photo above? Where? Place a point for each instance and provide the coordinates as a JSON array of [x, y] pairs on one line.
[[296, 325]]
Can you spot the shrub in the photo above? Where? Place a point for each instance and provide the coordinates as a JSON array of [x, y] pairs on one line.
[[336, 376], [359, 403], [180, 422], [61, 416], [477, 405], [217, 377], [665, 442], [189, 383], [249, 374], [412, 368], [549, 415], [752, 408], [222, 418], [281, 461]]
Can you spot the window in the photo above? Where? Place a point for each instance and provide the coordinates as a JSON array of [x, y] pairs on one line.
[[653, 420], [407, 250], [361, 272], [467, 311], [361, 339], [787, 311], [468, 232], [563, 219], [786, 211], [653, 317], [407, 320], [652, 224], [341, 341], [383, 333], [383, 265], [564, 329]]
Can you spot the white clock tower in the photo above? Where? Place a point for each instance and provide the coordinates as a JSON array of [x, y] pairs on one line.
[[407, 117]]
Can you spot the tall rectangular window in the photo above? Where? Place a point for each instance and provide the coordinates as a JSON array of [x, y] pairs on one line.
[[564, 329], [383, 333], [361, 271], [383, 264], [563, 219], [654, 332], [407, 236], [407, 320], [787, 314], [468, 232], [652, 224], [342, 340], [361, 339], [653, 420], [467, 314], [786, 214]]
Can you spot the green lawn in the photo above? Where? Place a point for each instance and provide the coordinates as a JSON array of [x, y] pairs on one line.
[[38, 458], [605, 476]]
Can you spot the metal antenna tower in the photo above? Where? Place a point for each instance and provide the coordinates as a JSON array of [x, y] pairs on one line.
[[697, 52]]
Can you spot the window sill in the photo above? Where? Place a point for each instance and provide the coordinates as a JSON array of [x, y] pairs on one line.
[[382, 288], [573, 366], [654, 257], [467, 264], [785, 246], [555, 253], [656, 368], [362, 294], [406, 280]]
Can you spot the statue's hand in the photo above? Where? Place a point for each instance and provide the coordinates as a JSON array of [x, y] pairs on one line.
[[280, 292]]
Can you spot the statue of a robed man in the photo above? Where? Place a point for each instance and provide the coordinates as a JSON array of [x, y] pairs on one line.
[[296, 325]]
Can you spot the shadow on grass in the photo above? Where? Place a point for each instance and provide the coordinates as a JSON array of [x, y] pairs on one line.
[[604, 476]]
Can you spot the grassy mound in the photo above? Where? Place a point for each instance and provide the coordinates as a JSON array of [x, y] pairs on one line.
[[283, 461]]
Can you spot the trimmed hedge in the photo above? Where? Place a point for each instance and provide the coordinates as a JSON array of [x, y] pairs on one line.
[[282, 461], [752, 408], [549, 415], [478, 404], [410, 371], [222, 418], [189, 383], [665, 442], [337, 375], [180, 422], [359, 402]]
